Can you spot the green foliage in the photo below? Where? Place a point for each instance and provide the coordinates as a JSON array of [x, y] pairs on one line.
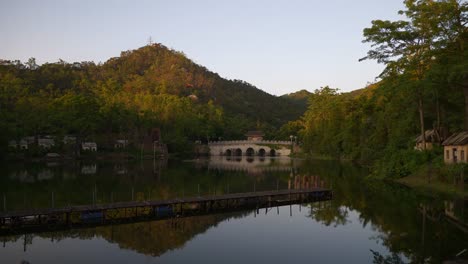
[[422, 87], [398, 163], [151, 87]]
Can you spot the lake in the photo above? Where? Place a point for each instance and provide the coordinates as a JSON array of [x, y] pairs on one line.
[[367, 221]]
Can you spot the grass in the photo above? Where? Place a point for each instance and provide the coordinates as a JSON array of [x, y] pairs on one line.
[[432, 181]]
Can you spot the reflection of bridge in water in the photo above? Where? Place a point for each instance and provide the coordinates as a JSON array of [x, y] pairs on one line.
[[252, 164]]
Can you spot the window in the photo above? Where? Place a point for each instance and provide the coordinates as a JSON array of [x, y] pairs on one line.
[[447, 154]]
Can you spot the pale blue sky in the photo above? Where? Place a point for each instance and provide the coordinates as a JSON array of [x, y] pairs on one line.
[[278, 46]]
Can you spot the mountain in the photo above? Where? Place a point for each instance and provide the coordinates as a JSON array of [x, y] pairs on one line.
[[299, 99], [129, 95], [158, 69]]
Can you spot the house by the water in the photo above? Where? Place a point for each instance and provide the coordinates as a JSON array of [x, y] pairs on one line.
[[456, 148], [433, 137]]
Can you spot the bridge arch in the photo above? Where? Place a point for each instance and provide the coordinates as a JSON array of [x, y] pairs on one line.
[[228, 152], [272, 152], [262, 152], [238, 152], [250, 152]]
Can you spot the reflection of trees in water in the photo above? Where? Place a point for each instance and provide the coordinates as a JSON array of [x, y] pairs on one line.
[[390, 259], [150, 238], [329, 213], [394, 211]]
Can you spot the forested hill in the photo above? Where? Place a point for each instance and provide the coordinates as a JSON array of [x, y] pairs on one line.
[[157, 69], [299, 98], [149, 87]]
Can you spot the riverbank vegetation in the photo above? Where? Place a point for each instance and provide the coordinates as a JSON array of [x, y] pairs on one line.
[[424, 86]]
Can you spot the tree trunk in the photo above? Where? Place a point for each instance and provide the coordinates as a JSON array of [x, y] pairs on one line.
[[421, 122], [465, 91], [438, 113]]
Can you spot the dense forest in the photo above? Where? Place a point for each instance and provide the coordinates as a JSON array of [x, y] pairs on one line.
[[424, 86], [150, 87]]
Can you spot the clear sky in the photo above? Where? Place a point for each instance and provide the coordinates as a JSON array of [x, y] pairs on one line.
[[278, 46]]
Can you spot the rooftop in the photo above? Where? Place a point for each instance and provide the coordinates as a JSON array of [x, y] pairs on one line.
[[460, 138]]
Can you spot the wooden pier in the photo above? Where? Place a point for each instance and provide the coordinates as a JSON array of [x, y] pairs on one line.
[[50, 219]]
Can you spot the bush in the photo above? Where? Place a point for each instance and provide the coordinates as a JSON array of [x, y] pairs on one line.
[[397, 163]]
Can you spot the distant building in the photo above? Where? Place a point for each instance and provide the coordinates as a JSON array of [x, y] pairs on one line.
[[26, 141], [89, 169], [90, 146], [46, 143], [120, 144], [456, 148], [69, 139], [254, 135], [23, 144], [12, 144], [433, 137]]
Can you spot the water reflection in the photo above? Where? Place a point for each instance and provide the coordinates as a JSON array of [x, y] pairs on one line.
[[367, 221], [253, 165]]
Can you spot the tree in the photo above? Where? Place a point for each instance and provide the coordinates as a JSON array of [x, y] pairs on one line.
[[408, 47]]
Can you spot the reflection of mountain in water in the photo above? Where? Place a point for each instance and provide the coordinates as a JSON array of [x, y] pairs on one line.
[[150, 238], [252, 165]]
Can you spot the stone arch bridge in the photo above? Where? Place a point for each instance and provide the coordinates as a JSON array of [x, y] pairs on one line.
[[270, 148]]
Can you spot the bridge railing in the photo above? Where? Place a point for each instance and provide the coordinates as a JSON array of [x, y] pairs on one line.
[[246, 142]]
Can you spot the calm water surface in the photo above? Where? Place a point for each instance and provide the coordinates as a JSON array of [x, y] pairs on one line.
[[365, 222]]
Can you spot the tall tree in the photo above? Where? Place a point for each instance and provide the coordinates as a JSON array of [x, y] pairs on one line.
[[408, 47]]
